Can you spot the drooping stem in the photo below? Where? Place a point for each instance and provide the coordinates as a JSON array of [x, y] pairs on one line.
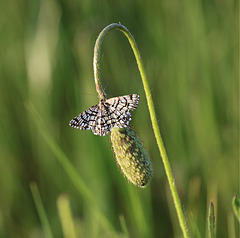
[[102, 95], [96, 64]]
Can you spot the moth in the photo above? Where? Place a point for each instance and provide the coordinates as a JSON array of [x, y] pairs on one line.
[[101, 118]]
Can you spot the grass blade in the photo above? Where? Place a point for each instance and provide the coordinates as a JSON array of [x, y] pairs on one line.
[[41, 211], [138, 213], [231, 226], [66, 216], [123, 226]]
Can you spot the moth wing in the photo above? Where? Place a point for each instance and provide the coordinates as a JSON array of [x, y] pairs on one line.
[[85, 120]]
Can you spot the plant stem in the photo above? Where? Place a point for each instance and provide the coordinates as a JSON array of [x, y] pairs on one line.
[[102, 95], [211, 221]]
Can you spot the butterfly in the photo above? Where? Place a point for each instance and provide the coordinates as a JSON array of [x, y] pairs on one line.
[[101, 118]]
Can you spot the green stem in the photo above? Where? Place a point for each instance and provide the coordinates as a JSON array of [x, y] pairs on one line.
[[102, 95], [211, 221]]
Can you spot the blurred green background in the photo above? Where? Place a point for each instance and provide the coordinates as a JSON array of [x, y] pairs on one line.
[[190, 51]]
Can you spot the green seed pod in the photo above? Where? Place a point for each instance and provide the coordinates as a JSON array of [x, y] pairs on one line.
[[131, 156]]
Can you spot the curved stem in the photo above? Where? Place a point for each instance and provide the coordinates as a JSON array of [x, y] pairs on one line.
[[102, 95]]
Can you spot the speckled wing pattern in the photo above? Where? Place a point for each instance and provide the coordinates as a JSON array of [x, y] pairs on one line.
[[101, 118]]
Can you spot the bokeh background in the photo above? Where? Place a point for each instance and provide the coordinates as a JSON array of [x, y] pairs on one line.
[[190, 52]]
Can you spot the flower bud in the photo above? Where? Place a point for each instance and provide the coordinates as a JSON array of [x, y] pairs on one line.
[[131, 156]]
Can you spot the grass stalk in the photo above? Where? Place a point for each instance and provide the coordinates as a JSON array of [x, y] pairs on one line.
[[41, 211], [231, 225], [138, 213], [66, 217], [211, 221], [123, 226]]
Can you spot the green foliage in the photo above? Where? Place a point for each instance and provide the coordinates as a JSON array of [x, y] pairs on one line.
[[189, 50]]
